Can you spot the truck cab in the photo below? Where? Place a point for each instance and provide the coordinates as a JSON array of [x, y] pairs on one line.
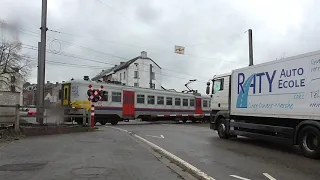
[[218, 89]]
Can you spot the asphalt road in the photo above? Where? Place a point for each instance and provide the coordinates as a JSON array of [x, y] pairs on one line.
[[229, 159], [107, 154]]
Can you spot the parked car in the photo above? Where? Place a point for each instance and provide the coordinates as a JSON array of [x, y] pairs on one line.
[[31, 111]]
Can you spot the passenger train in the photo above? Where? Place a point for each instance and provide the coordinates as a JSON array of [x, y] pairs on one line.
[[121, 102]]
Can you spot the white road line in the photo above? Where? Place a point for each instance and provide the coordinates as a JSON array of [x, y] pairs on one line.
[[161, 136], [192, 169], [118, 129], [269, 176], [238, 177]]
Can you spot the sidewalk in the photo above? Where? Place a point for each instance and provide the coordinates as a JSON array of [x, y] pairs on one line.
[[104, 154]]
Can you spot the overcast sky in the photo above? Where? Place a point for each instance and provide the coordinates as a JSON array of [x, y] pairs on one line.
[[213, 32]]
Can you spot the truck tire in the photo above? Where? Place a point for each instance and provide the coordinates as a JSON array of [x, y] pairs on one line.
[[103, 122], [222, 129], [114, 122], [309, 141]]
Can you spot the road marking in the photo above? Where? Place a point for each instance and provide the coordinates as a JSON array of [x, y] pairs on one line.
[[269, 176], [118, 129], [238, 177], [190, 168], [161, 136]]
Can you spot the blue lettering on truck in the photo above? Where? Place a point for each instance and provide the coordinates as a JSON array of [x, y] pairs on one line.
[[256, 80]]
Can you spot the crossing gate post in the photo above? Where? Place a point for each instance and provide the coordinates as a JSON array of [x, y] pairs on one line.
[[92, 115]]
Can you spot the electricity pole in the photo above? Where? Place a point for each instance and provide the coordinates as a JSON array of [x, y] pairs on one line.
[[250, 47], [150, 81], [41, 63]]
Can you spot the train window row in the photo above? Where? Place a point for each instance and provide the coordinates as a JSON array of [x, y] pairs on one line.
[[161, 100]]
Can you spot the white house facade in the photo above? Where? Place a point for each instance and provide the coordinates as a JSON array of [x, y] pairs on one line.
[[141, 71]]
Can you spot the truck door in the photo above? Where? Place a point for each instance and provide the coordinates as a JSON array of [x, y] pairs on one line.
[[128, 104], [66, 94], [198, 106]]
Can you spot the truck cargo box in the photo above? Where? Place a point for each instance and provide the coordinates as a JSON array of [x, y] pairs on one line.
[[286, 88]]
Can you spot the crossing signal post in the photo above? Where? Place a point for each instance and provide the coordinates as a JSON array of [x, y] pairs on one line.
[[95, 95]]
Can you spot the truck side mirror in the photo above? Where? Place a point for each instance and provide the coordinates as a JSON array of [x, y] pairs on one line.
[[208, 88]]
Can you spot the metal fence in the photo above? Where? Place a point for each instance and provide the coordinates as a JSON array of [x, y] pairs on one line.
[[27, 115]]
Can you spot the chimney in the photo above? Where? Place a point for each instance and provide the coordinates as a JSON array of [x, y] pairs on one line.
[[143, 54], [57, 83], [48, 82], [121, 63], [86, 78], [115, 65]]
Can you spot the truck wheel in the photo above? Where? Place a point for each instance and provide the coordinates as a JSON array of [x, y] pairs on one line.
[[309, 142], [114, 122], [222, 131], [103, 122]]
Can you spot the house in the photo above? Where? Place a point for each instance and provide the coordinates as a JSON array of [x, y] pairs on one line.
[[140, 71], [51, 93]]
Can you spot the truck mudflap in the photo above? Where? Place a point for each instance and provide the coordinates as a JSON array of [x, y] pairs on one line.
[[212, 125]]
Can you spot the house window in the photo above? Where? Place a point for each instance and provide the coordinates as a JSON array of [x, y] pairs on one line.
[[124, 75], [140, 99], [169, 100], [136, 74], [153, 86], [150, 99], [185, 102], [153, 76], [136, 84], [205, 103], [120, 76], [116, 96], [177, 101], [160, 100], [191, 102]]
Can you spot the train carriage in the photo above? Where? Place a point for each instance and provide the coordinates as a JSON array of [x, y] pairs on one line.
[[124, 102]]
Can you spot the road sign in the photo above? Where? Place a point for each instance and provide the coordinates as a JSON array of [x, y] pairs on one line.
[[94, 95], [179, 49]]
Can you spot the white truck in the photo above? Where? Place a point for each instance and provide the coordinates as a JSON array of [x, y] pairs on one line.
[[277, 100]]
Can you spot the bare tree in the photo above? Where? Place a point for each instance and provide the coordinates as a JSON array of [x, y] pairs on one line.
[[14, 67]]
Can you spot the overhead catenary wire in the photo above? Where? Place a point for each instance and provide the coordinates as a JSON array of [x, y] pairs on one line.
[[93, 60], [84, 58], [108, 54]]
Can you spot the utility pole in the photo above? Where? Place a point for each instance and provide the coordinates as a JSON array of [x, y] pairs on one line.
[[41, 63], [250, 47], [150, 76]]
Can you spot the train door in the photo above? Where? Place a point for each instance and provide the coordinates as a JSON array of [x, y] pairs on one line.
[[128, 104], [198, 106], [65, 94]]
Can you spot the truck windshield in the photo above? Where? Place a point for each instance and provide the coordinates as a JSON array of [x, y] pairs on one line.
[[217, 86]]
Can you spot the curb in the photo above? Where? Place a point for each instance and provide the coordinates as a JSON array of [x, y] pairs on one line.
[[179, 162], [51, 130]]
